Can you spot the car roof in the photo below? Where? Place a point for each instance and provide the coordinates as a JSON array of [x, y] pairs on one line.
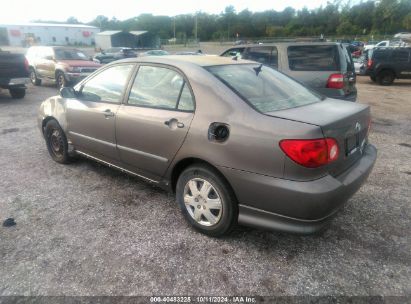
[[180, 60], [303, 43]]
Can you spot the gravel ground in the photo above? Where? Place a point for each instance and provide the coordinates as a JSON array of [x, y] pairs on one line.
[[84, 229]]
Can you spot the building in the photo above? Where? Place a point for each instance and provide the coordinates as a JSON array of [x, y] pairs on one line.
[[47, 34], [133, 39]]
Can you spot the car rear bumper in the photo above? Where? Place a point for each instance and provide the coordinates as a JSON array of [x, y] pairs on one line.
[[14, 82], [294, 206], [338, 94]]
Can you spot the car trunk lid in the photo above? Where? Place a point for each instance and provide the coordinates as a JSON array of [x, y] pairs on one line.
[[346, 122]]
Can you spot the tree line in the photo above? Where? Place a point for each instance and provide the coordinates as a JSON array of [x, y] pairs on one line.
[[381, 17]]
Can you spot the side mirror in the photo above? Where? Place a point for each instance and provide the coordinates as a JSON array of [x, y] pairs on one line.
[[68, 92]]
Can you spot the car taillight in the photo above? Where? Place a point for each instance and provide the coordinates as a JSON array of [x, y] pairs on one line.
[[26, 64], [335, 81], [311, 153], [368, 128], [369, 63]]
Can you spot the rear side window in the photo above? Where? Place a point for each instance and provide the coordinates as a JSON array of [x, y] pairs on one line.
[[263, 88], [313, 58], [163, 88], [265, 55], [379, 55], [400, 55]]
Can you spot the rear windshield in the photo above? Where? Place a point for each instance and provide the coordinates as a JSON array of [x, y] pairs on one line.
[[313, 58], [264, 88]]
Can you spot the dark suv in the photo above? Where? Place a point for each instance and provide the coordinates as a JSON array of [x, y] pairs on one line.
[[388, 63], [325, 67]]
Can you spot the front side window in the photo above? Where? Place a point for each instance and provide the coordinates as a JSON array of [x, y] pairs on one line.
[[107, 86], [264, 88], [313, 58], [163, 88]]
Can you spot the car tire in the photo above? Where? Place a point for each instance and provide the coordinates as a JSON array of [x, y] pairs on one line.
[[385, 77], [56, 142], [17, 93], [373, 79], [206, 200], [33, 78], [61, 80]]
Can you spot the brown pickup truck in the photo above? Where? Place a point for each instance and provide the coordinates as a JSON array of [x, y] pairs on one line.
[[13, 73], [66, 66]]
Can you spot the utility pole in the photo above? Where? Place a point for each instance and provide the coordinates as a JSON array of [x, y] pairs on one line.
[[196, 27], [174, 29]]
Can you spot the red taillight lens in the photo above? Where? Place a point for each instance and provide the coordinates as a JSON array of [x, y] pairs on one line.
[[26, 64], [311, 153], [335, 81], [369, 63]]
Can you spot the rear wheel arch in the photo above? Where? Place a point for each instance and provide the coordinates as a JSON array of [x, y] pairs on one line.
[[187, 162], [387, 69], [386, 76]]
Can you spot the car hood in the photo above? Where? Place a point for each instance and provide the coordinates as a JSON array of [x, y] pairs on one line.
[[80, 63]]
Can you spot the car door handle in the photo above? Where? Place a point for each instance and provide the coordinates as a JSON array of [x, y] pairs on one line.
[[174, 123], [107, 113]]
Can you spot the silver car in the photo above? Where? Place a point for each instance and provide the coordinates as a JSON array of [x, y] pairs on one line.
[[237, 142]]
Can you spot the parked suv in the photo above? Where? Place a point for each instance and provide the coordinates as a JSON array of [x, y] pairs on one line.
[[386, 64], [65, 66], [325, 67]]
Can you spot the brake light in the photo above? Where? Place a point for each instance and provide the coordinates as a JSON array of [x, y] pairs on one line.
[[369, 63], [368, 128], [335, 81], [311, 153], [26, 64]]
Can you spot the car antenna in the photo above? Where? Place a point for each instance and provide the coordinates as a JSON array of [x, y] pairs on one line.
[[258, 69]]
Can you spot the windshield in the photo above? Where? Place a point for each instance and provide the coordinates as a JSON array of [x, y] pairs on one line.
[[69, 54], [264, 88]]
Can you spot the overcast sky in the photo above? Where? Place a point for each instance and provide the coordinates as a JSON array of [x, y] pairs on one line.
[[15, 11]]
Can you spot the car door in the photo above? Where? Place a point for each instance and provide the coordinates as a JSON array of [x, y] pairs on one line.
[[401, 60], [40, 62], [152, 125], [47, 63], [91, 117]]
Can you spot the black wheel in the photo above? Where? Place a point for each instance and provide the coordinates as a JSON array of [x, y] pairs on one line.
[[17, 93], [385, 77], [56, 142], [373, 78], [33, 78], [61, 81], [206, 200]]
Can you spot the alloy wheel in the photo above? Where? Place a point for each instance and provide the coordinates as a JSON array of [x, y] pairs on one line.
[[202, 201]]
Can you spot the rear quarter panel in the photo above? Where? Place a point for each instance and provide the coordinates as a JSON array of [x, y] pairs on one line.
[[253, 141]]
